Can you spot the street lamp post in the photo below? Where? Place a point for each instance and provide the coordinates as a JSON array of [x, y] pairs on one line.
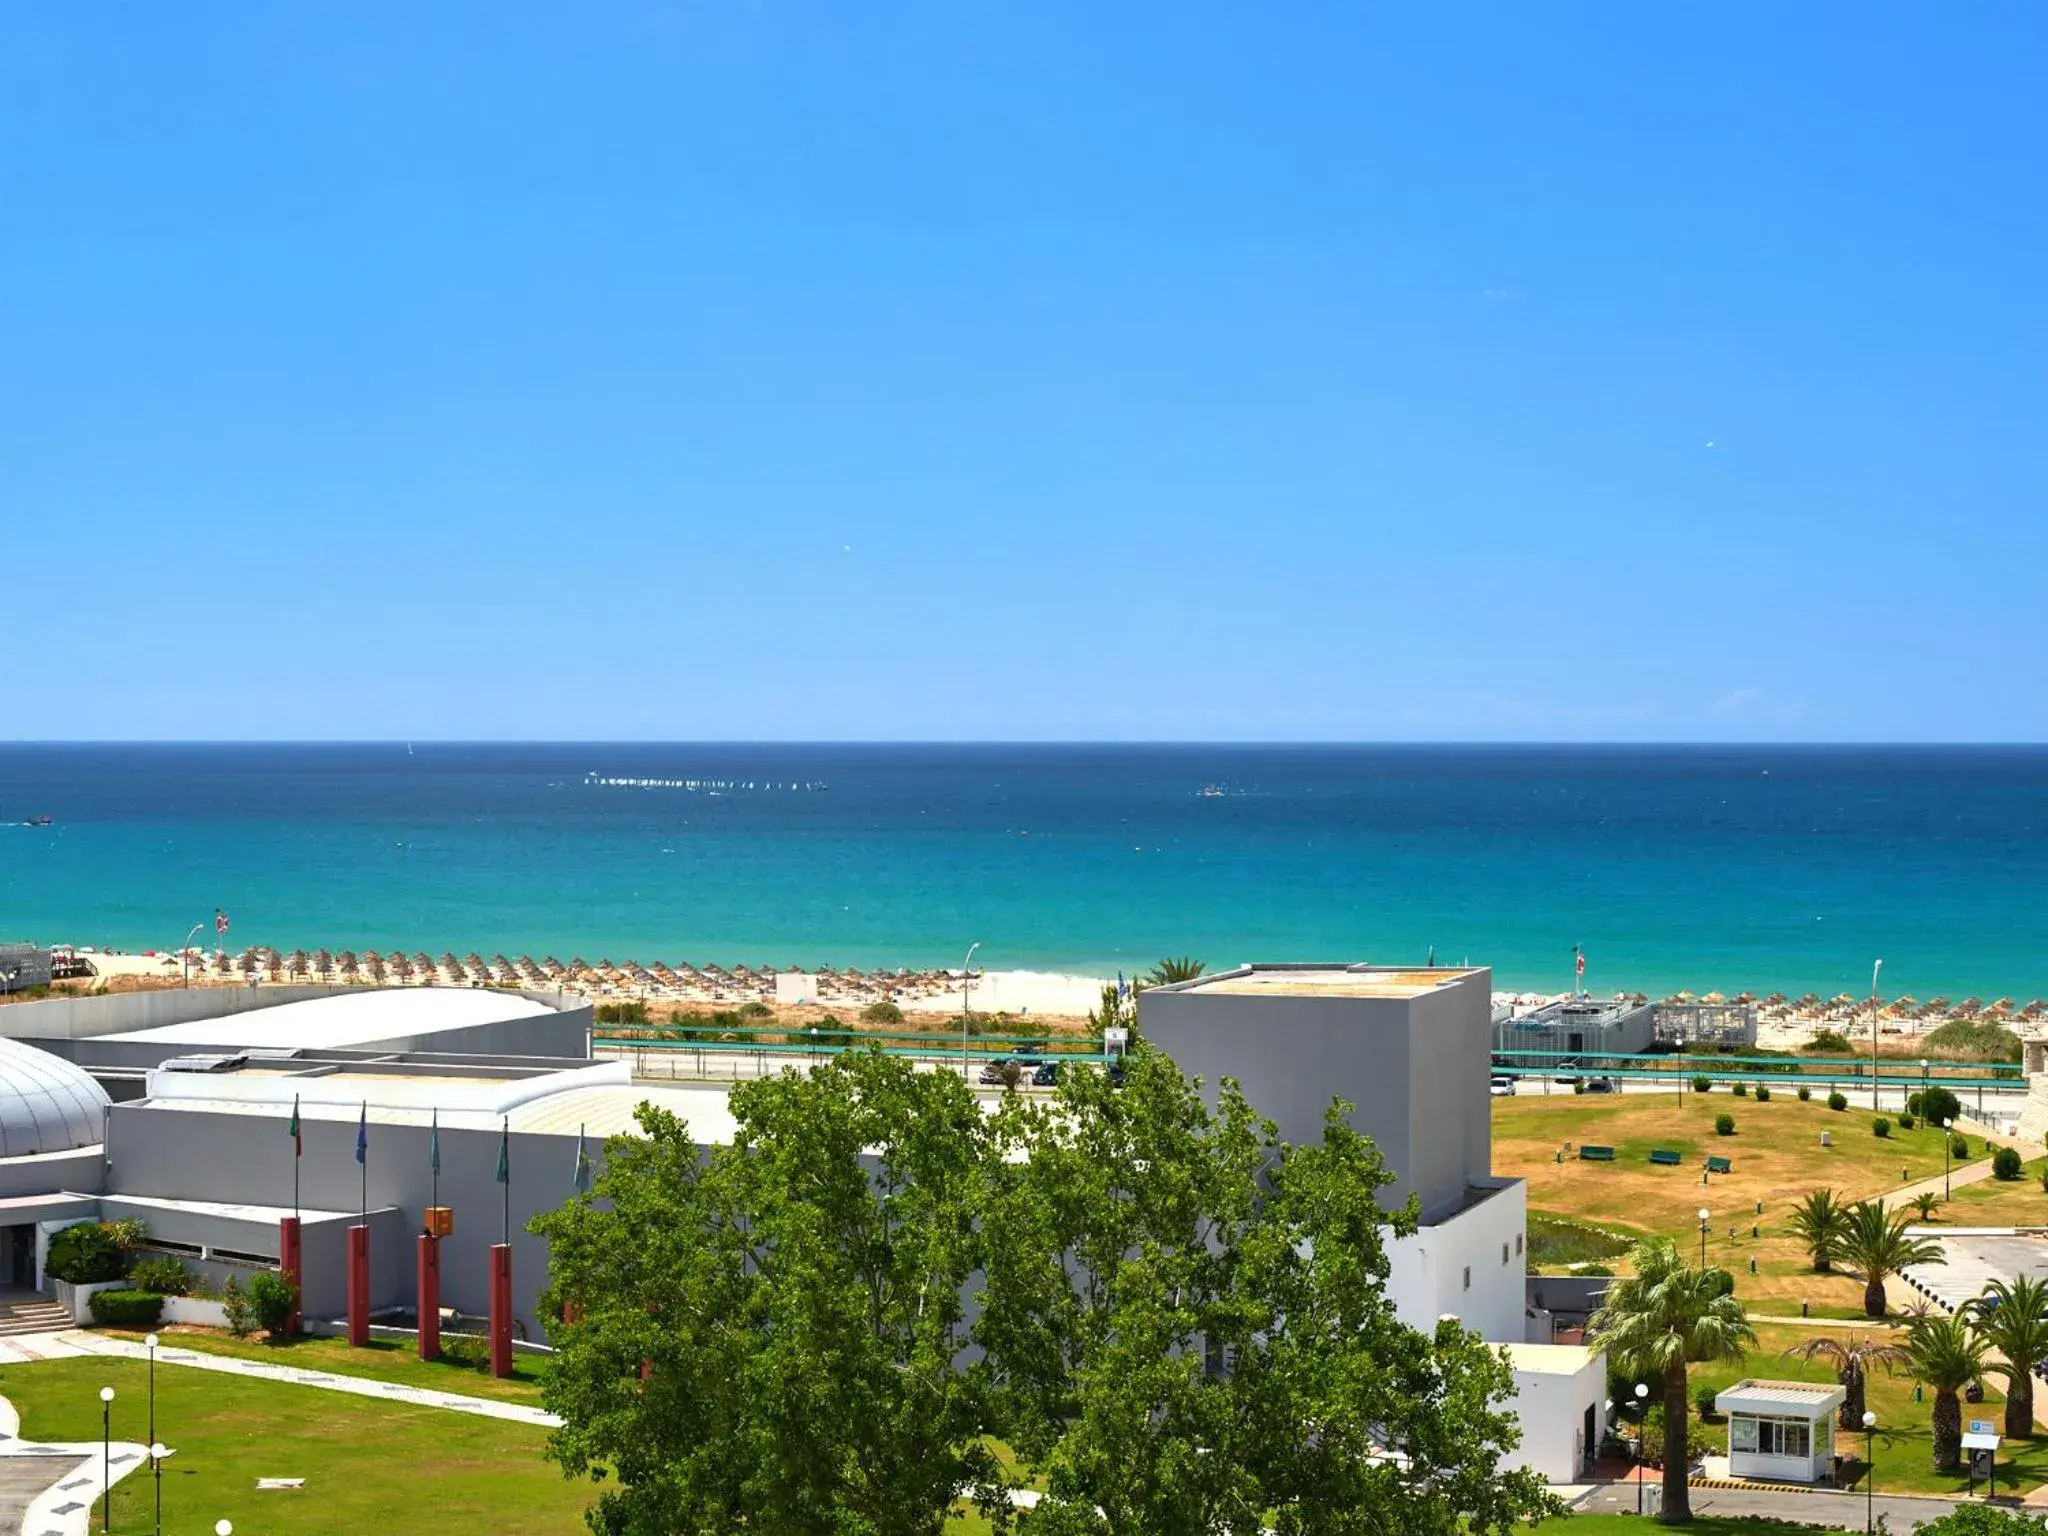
[[1873, 1033], [107, 1458], [223, 1528], [1947, 1147], [1705, 1216], [185, 954], [157, 1453], [1869, 1473], [1642, 1421], [966, 971]]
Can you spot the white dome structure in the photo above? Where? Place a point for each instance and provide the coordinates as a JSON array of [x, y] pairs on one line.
[[46, 1103]]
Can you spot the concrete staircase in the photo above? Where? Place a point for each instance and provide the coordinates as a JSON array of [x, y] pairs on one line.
[[27, 1312]]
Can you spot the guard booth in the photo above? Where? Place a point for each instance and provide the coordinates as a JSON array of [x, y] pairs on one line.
[[1781, 1431], [1980, 1444]]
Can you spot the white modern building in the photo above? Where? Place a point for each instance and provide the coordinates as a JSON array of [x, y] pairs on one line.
[[1410, 1050]]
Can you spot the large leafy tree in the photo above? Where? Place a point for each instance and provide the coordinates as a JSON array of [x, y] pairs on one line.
[[1853, 1355], [1655, 1323], [767, 1337], [1948, 1355], [2012, 1319], [1820, 1222], [1189, 1333], [1875, 1244]]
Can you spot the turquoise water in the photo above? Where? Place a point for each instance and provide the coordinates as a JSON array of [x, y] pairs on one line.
[[1765, 868]]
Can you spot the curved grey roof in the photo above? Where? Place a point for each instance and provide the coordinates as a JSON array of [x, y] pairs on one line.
[[46, 1103]]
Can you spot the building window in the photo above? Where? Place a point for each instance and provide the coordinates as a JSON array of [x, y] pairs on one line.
[[1503, 1253], [1770, 1437], [1468, 1277], [1518, 1242]]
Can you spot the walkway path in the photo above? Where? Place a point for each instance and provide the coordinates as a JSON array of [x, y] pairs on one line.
[[51, 1490], [74, 1342], [1839, 1511]]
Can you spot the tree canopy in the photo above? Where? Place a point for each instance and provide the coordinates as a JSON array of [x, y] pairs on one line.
[[1178, 1323]]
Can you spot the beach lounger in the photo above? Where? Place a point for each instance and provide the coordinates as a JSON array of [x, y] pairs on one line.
[[1719, 1165], [1596, 1154], [1664, 1159]]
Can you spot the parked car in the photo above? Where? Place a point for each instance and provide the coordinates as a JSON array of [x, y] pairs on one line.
[[1568, 1070], [1503, 1087], [996, 1072], [1046, 1074], [1601, 1085]]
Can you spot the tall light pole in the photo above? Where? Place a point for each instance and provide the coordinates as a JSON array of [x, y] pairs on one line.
[[107, 1458], [1947, 1146], [156, 1451], [1705, 1216], [1873, 1032], [1869, 1473], [185, 954], [966, 972], [1642, 1422]]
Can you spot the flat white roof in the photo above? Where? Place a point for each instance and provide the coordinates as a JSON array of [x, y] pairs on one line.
[[348, 1018], [1786, 1399], [1549, 1359], [1329, 980]]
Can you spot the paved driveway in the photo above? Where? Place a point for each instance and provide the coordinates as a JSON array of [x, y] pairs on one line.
[[1974, 1262], [1837, 1511]]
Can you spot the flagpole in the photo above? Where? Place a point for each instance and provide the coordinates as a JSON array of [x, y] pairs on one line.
[[434, 1154], [365, 1160], [506, 1144]]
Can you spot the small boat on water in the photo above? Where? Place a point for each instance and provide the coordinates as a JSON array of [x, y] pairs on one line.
[[37, 821]]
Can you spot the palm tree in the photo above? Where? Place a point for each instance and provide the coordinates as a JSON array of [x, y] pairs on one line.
[[2012, 1318], [1656, 1322], [1876, 1245], [1820, 1221], [1948, 1355], [1852, 1355], [1173, 968], [1925, 1202]]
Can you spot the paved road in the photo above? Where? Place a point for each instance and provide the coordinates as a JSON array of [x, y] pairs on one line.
[[24, 1479], [1837, 1511]]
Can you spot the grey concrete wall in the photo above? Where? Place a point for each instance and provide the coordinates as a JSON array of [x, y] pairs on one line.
[[79, 1172], [1414, 1070], [80, 1018], [198, 1155]]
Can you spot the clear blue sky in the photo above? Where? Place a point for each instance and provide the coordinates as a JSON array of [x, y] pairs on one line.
[[715, 369]]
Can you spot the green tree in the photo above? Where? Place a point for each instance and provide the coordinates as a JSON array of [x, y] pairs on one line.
[[1115, 1012], [1925, 1202], [1172, 969], [1661, 1319], [2012, 1318], [1875, 1244], [1977, 1520], [767, 1337], [1948, 1355], [1820, 1222], [1852, 1355], [1188, 1331]]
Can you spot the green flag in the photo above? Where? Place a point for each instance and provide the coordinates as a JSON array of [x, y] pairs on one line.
[[505, 1155]]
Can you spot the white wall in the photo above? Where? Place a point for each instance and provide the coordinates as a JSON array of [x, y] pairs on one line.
[[1551, 1404], [1426, 1273]]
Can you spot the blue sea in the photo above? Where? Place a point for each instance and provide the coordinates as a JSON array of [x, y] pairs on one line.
[[1765, 868]]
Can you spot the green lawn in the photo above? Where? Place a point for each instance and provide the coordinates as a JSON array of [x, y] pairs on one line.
[[368, 1465], [1905, 1452], [2017, 1202], [379, 1360]]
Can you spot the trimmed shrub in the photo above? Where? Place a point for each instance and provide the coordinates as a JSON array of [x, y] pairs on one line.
[[1836, 1101], [1938, 1105], [85, 1254], [2006, 1164], [756, 1010], [1805, 1093], [1881, 1127], [270, 1298], [466, 1350], [1724, 1125], [126, 1309], [620, 1013], [1578, 1085], [1958, 1146], [1703, 1084], [1741, 1090], [1703, 1401], [165, 1277], [235, 1302], [1913, 1104], [1905, 1122], [1763, 1093], [881, 1013], [1827, 1042]]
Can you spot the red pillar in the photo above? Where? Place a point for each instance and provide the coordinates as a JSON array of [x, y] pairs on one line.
[[430, 1296], [291, 1262], [359, 1285], [501, 1309]]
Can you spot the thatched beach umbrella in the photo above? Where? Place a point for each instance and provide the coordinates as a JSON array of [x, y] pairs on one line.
[[349, 964], [297, 965], [323, 963], [1713, 997]]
